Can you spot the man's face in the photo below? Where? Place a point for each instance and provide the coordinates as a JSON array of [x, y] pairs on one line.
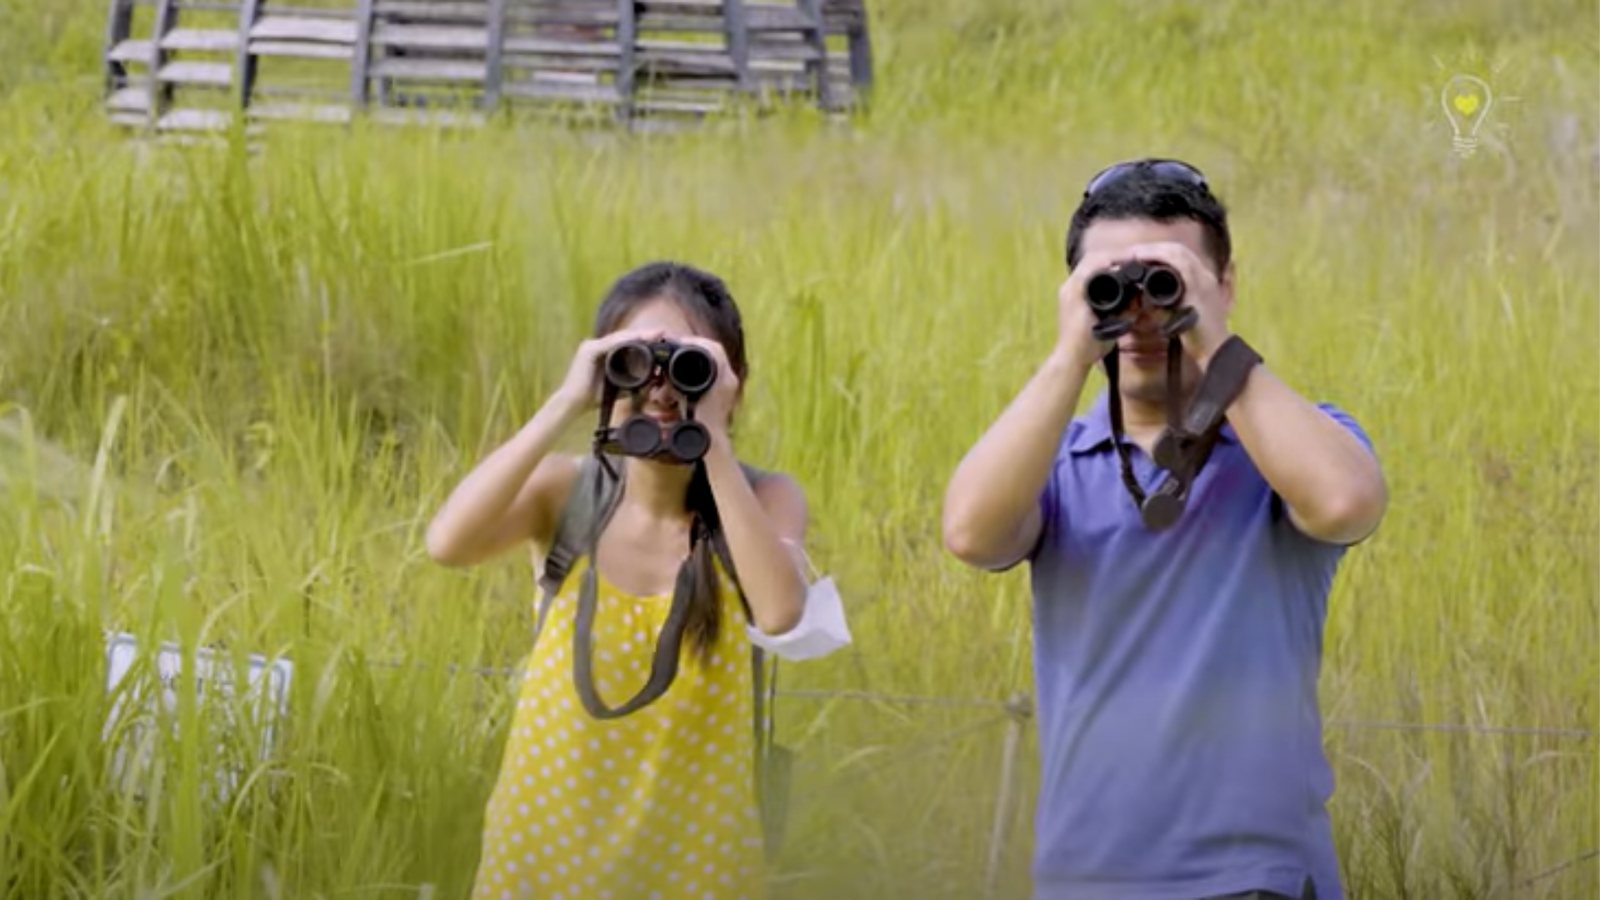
[[1142, 352]]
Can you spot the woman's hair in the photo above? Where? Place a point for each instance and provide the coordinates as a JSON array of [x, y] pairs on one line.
[[706, 300]]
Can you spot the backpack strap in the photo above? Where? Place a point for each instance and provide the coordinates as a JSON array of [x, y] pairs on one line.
[[585, 506], [763, 691]]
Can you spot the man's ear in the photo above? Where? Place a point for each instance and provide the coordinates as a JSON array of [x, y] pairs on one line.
[[1227, 284]]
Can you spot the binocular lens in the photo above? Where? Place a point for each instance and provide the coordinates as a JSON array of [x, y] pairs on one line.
[[629, 366], [639, 436], [1163, 286], [1104, 293], [688, 441], [691, 370]]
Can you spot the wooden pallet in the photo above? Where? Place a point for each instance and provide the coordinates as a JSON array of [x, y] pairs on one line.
[[176, 66]]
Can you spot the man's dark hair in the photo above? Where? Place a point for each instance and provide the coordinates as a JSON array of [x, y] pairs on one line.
[[1143, 195]]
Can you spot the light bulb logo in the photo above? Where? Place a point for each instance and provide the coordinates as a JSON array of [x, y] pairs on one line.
[[1466, 101]]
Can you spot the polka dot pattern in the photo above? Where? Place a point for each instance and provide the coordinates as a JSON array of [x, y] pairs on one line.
[[660, 803]]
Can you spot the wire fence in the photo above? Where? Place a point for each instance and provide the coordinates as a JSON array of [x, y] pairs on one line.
[[1014, 713], [1016, 710]]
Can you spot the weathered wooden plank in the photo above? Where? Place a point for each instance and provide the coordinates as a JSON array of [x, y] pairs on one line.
[[129, 99], [290, 11], [137, 50], [581, 66], [670, 105], [533, 46], [766, 52], [321, 31], [737, 36], [556, 91], [437, 11], [762, 17], [819, 40], [194, 120], [430, 37], [627, 35], [494, 71], [305, 112], [429, 69], [205, 40], [247, 63], [200, 73], [679, 6], [393, 115], [160, 94], [119, 26], [654, 45], [714, 62], [361, 55], [575, 17], [302, 50], [681, 23]]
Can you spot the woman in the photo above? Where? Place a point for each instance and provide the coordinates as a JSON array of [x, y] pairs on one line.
[[659, 802]]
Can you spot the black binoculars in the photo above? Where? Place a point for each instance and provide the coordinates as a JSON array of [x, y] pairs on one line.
[[634, 366], [1111, 291]]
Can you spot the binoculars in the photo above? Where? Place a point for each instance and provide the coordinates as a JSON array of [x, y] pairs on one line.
[[634, 366], [1111, 291]]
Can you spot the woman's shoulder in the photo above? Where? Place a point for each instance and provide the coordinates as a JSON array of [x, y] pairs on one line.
[[775, 489], [759, 476]]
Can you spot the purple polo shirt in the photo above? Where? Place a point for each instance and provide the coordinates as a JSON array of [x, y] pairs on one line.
[[1179, 730]]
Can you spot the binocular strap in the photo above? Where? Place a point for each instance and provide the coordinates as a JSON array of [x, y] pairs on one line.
[[664, 666], [1174, 414], [1185, 446]]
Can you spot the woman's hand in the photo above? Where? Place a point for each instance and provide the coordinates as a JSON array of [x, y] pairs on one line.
[[716, 407], [580, 391]]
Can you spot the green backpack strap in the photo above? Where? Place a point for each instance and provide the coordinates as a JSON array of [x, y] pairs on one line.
[[773, 763], [582, 509]]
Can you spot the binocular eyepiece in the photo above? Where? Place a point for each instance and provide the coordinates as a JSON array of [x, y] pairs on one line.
[[689, 369], [634, 366], [1112, 291]]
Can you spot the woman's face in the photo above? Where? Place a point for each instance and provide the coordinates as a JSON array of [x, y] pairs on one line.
[[658, 400]]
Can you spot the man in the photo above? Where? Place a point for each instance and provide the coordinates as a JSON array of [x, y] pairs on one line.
[[1176, 663]]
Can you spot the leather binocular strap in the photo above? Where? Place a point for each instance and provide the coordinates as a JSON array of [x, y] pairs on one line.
[[1186, 444], [664, 665]]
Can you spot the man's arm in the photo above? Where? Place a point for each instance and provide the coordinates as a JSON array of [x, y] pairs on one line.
[[991, 506], [1330, 481]]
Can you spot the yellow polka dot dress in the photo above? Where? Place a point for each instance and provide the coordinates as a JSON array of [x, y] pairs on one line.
[[657, 804]]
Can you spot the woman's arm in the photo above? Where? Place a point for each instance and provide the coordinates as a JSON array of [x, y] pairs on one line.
[[512, 497], [765, 527], [516, 493]]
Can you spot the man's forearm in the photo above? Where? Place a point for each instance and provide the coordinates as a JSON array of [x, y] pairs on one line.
[[990, 498], [1332, 484]]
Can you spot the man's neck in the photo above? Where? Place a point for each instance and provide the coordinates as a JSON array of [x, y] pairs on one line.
[[1143, 422]]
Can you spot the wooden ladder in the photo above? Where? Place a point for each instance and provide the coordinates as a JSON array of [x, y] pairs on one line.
[[189, 80], [295, 39], [643, 64]]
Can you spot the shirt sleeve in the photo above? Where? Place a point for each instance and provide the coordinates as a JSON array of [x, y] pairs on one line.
[[1281, 508]]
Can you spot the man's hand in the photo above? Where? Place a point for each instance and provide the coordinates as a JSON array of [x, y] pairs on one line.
[[1211, 298], [1075, 321]]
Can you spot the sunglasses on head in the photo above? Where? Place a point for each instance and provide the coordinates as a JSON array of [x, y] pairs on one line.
[[1175, 169]]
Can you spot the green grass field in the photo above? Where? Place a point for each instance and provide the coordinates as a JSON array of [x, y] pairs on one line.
[[236, 387]]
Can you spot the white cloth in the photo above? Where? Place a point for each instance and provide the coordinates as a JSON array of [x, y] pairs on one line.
[[822, 628]]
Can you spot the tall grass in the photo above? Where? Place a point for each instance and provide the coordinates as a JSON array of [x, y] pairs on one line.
[[239, 383]]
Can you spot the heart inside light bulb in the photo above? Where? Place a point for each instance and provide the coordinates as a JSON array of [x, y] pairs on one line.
[[1466, 100]]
